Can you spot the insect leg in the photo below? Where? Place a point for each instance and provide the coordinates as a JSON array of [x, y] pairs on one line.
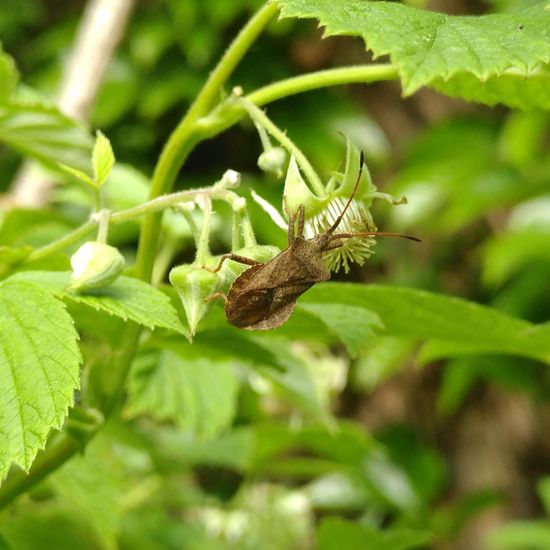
[[235, 258], [301, 220], [291, 219]]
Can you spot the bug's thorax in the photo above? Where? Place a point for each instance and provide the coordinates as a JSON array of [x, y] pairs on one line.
[[307, 256]]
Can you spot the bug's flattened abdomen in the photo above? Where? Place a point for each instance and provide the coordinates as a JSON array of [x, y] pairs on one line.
[[249, 308], [245, 305], [280, 317], [252, 308]]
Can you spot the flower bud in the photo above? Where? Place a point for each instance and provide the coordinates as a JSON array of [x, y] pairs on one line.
[[273, 160], [95, 265], [194, 285]]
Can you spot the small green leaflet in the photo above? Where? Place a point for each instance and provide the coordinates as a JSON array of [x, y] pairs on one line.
[[127, 298], [39, 370], [103, 159], [498, 58]]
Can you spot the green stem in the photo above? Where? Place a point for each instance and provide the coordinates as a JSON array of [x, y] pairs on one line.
[[259, 117], [71, 238], [184, 137], [203, 250], [248, 232], [55, 456], [360, 74], [103, 222], [229, 112], [226, 115], [131, 214]]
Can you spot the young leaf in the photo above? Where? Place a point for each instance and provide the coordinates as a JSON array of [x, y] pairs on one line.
[[489, 58], [103, 159], [39, 370], [78, 174], [127, 298], [46, 134], [195, 392]]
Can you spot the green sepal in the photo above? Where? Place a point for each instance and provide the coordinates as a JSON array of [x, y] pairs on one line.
[[341, 185], [296, 193], [194, 285]]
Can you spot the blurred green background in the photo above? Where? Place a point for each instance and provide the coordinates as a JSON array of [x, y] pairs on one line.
[[453, 454]]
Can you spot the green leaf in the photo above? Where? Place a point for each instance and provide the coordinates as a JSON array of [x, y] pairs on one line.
[[521, 535], [193, 391], [386, 355], [10, 257], [78, 174], [411, 313], [46, 134], [34, 529], [498, 58], [127, 298], [103, 159], [4, 543], [8, 76], [93, 486], [543, 489], [354, 326], [39, 370], [512, 251], [336, 533]]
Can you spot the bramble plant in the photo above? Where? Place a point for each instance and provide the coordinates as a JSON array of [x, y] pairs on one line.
[[94, 342]]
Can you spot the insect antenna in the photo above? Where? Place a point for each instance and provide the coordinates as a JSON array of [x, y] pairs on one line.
[[336, 223], [373, 234]]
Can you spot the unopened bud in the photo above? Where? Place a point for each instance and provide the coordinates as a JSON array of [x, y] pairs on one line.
[[273, 160], [95, 265], [231, 179], [194, 285]]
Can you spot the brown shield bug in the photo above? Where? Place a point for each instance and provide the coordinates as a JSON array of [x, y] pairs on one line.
[[264, 296]]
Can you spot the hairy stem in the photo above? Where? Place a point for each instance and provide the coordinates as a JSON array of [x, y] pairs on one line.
[[224, 116], [261, 119], [184, 137]]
